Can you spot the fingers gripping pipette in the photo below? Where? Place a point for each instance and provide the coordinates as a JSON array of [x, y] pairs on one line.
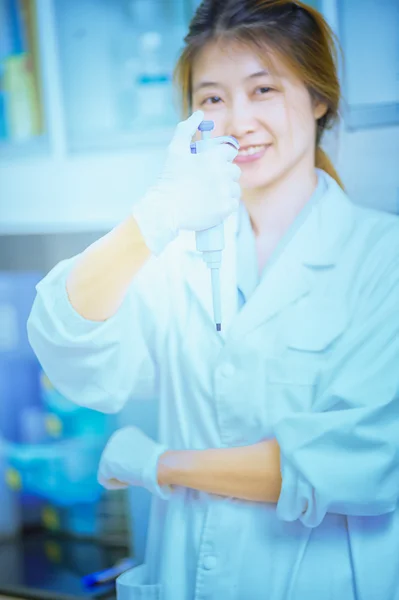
[[211, 241]]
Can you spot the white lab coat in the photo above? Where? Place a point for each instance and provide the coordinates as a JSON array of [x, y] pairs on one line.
[[312, 359]]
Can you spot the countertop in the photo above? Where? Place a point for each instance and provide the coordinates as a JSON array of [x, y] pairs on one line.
[[41, 566]]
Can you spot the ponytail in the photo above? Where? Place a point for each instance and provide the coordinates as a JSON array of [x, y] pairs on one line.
[[323, 162]]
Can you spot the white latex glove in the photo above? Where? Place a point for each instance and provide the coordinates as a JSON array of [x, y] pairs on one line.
[[131, 458], [194, 191]]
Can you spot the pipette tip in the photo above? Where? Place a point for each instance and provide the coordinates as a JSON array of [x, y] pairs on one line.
[[218, 327]]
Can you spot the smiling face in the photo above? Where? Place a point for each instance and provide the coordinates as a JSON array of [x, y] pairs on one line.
[[271, 114]]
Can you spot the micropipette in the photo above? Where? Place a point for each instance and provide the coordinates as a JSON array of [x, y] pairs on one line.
[[211, 241]]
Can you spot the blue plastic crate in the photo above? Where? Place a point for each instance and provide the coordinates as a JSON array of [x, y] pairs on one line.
[[63, 473], [17, 293], [19, 389]]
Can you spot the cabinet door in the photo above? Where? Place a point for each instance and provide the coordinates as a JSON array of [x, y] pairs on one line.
[[369, 34], [103, 152], [116, 64], [22, 119]]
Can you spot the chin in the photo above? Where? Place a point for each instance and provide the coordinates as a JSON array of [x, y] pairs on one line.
[[261, 177], [253, 182]]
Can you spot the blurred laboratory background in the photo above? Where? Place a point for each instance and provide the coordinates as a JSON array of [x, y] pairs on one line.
[[86, 111]]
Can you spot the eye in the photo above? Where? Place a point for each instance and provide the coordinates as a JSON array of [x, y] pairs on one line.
[[263, 90], [211, 100]]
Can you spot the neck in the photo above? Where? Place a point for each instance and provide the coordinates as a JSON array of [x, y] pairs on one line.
[[272, 209]]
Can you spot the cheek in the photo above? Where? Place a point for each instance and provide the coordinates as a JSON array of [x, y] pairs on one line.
[[272, 120], [278, 116], [299, 126], [290, 122]]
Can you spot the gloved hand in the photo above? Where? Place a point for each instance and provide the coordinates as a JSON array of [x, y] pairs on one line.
[[131, 458], [194, 192]]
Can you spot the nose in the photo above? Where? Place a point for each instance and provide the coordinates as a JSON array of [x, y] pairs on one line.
[[240, 120]]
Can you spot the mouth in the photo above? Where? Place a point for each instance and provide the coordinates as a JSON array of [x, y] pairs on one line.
[[251, 153]]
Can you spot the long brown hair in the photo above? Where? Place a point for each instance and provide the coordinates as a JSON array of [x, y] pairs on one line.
[[295, 32]]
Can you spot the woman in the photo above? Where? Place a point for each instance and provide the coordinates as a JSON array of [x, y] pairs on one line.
[[276, 472]]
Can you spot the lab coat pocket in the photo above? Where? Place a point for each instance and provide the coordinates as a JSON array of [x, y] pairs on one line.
[[308, 333], [133, 585], [315, 326]]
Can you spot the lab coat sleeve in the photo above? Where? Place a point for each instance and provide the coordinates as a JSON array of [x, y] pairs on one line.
[[100, 365], [343, 457]]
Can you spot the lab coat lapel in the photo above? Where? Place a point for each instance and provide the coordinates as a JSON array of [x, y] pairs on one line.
[[315, 246], [286, 282]]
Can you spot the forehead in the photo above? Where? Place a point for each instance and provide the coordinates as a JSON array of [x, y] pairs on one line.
[[224, 59]]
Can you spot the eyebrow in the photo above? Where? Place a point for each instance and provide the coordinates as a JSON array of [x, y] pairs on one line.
[[207, 84]]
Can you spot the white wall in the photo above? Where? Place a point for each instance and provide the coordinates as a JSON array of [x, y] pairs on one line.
[[368, 162], [367, 159]]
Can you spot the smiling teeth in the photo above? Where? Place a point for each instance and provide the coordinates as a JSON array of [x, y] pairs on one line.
[[250, 151]]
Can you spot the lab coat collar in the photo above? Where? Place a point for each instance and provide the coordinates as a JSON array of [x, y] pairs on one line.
[[321, 237], [315, 246]]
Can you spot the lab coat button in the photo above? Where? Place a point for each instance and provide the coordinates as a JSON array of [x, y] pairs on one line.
[[210, 562], [227, 370]]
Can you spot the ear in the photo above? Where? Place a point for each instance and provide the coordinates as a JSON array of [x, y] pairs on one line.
[[319, 110]]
